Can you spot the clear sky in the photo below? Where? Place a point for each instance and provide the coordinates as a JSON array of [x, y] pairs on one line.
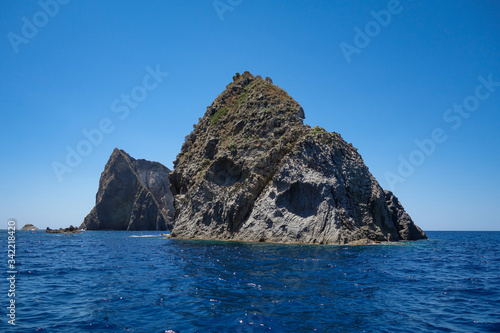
[[414, 85]]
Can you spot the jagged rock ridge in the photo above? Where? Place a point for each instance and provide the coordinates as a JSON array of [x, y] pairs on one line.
[[133, 195], [251, 170], [70, 229]]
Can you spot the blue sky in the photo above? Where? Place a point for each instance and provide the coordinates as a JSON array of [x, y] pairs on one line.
[[68, 67]]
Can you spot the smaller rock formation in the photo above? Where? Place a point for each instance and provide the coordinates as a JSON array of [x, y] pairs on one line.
[[403, 222], [71, 229], [132, 195], [29, 227]]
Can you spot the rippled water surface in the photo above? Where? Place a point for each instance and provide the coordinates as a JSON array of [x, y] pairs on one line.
[[113, 282]]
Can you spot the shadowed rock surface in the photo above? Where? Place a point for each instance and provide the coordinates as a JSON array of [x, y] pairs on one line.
[[406, 228], [251, 170], [133, 195]]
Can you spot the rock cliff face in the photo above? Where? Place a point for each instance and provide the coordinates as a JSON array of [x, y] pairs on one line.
[[251, 170], [407, 229], [133, 195]]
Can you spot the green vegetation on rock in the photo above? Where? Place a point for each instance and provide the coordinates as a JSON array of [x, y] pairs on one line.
[[218, 115], [232, 147]]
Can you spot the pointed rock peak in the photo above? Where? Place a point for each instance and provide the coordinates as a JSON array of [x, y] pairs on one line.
[[251, 118], [251, 170], [248, 96], [117, 151], [121, 153], [132, 195]]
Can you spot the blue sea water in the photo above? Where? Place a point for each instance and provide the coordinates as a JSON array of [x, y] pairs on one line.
[[115, 282]]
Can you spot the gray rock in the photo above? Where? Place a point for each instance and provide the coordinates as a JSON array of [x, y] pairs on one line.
[[252, 171], [322, 193], [133, 195], [29, 227], [70, 229], [406, 228]]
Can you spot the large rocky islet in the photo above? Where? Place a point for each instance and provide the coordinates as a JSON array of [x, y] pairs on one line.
[[251, 170]]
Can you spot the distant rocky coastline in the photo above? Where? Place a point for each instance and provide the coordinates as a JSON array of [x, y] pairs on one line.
[[70, 229], [29, 227], [252, 171]]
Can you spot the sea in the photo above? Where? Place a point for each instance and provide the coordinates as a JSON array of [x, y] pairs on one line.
[[111, 281]]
